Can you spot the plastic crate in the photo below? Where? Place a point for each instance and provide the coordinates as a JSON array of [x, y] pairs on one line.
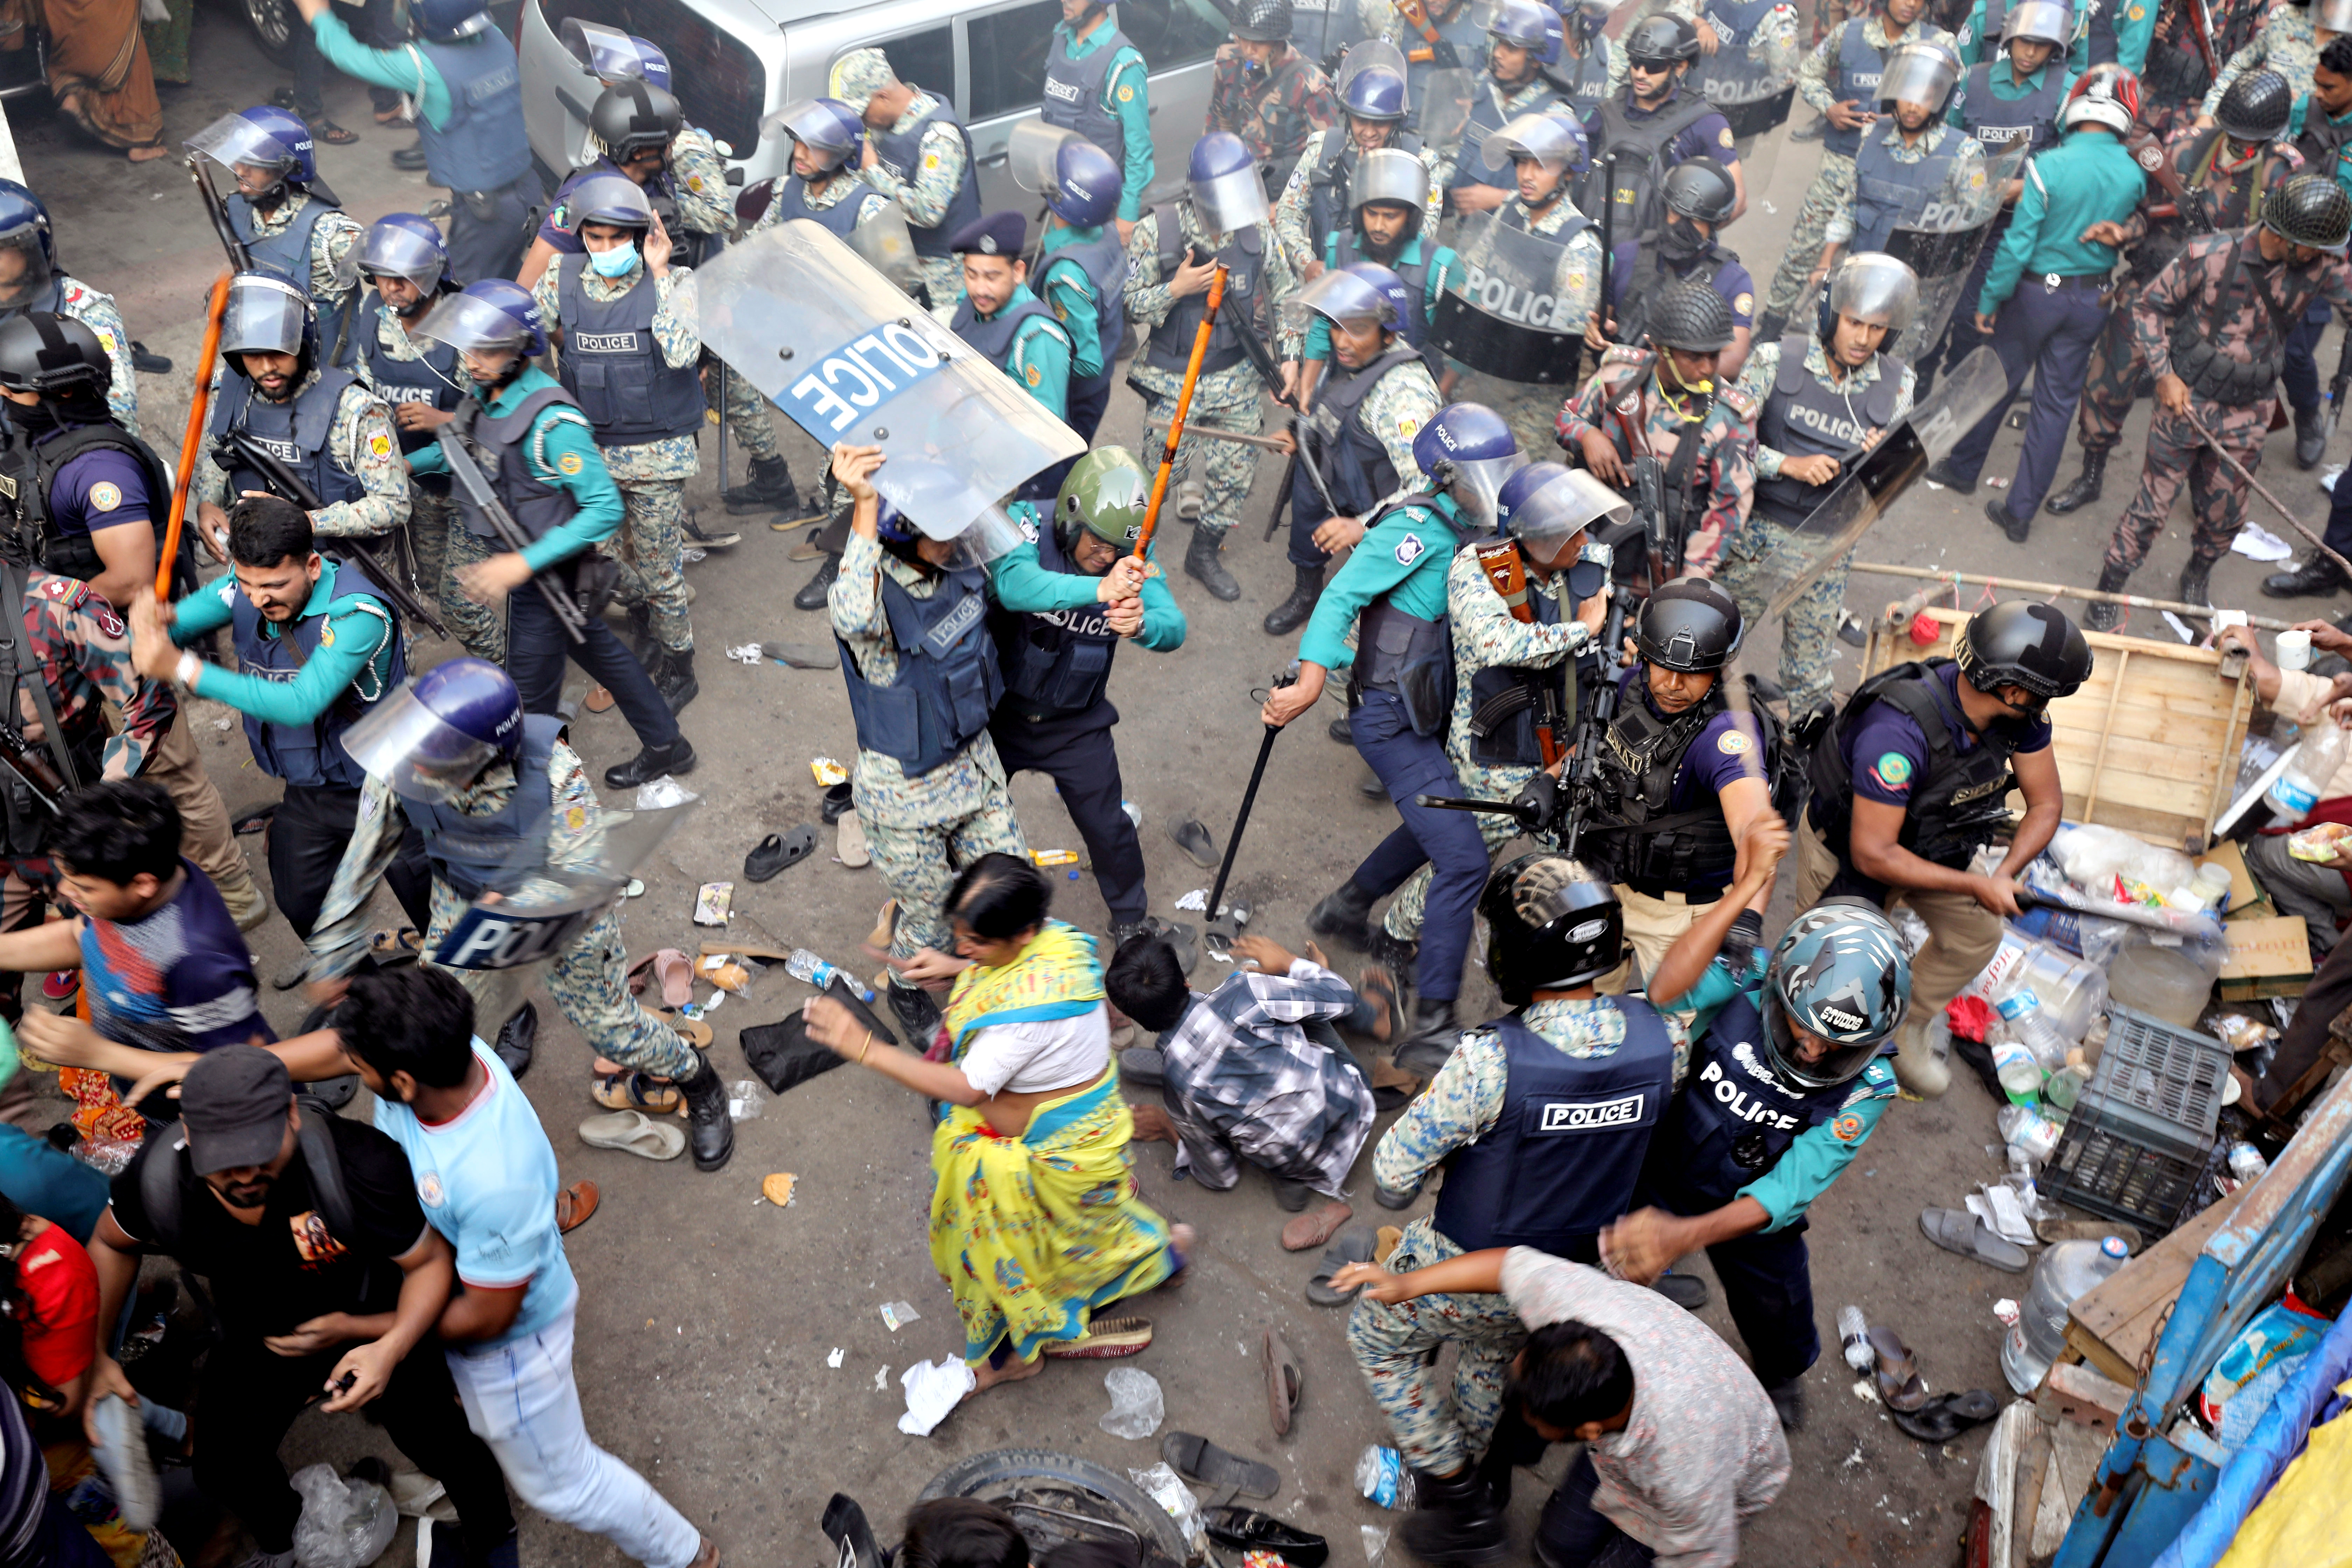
[[2159, 1085], [2102, 1171]]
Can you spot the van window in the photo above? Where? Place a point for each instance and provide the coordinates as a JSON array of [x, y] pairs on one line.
[[1008, 57], [719, 83], [927, 59], [1172, 33]]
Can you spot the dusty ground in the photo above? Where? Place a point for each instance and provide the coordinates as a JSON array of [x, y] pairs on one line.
[[704, 1340]]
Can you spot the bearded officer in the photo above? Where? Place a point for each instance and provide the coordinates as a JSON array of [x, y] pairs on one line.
[[1081, 271], [31, 279], [1316, 205], [291, 222], [919, 155], [1660, 121], [1064, 599], [1390, 227], [1910, 784], [1699, 198], [997, 314], [1366, 414], [1096, 85], [1171, 258], [1523, 38], [1823, 395]]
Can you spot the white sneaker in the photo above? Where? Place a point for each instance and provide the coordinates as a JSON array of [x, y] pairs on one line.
[[121, 1453]]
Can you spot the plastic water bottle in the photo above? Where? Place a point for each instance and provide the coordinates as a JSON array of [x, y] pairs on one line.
[[2029, 1021], [2013, 1064], [2309, 769], [2068, 1271], [2028, 1132], [1382, 1476], [1854, 1337], [806, 965]]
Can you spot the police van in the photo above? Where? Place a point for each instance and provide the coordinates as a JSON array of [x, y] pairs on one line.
[[734, 61]]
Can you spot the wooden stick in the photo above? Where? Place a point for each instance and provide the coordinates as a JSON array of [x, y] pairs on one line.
[[2061, 590], [1183, 410], [184, 483], [1265, 443], [2276, 505]]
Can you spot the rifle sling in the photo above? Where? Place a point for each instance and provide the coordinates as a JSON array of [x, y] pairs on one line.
[[12, 604]]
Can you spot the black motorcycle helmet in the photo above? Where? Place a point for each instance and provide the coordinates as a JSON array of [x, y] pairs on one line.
[[56, 356], [2024, 642], [1661, 40], [2256, 108], [1551, 923], [1692, 317], [1688, 625], [631, 118], [1702, 189]]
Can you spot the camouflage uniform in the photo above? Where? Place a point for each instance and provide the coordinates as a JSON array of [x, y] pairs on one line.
[[1532, 410], [100, 314], [1485, 636], [1724, 473], [2193, 286], [1293, 211], [1272, 116], [1396, 1346], [589, 979], [652, 474], [2284, 44], [1813, 620], [363, 444], [1949, 141], [747, 410], [1832, 192], [331, 243], [1222, 400], [2117, 373], [433, 520], [921, 830], [924, 199], [2174, 60], [706, 206]]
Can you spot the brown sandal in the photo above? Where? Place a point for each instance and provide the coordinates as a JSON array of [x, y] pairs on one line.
[[574, 1204], [1284, 1381]]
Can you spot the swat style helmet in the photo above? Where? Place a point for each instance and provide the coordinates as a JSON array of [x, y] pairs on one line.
[[632, 118], [1556, 139], [1085, 185], [2256, 108], [403, 244], [1395, 175], [2023, 643], [1688, 625], [1262, 21], [264, 137], [1105, 493], [1222, 182], [53, 354], [265, 314], [1692, 317], [1700, 189], [2310, 209], [1551, 923], [1359, 294], [1662, 40], [493, 315], [1839, 974], [613, 199]]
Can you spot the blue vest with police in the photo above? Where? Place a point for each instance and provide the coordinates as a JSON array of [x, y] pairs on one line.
[[499, 444], [431, 378], [1486, 116], [1073, 99], [1587, 87], [1565, 1153], [296, 431], [2005, 123], [900, 151], [612, 363], [478, 854], [482, 146], [996, 337], [1853, 74], [1103, 262], [1346, 247], [790, 202], [1888, 192], [312, 755], [1735, 21], [1169, 346], [1734, 1118], [1056, 663], [1355, 463], [1801, 417], [287, 254], [948, 682]]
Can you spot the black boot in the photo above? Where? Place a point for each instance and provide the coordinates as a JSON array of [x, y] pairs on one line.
[[2104, 616], [2196, 584], [2085, 488], [1770, 322], [1788, 1402], [813, 592], [650, 763], [1393, 953], [1941, 473], [1996, 514], [2318, 576], [642, 641], [1339, 730], [918, 1015], [517, 1037], [1292, 613], [1201, 561], [1454, 1520], [674, 678], [1431, 1039], [770, 488], [709, 1132], [2310, 438], [1343, 915]]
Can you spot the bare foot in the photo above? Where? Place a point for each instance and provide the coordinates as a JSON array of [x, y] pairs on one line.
[[1180, 1238], [147, 154], [985, 1377], [1378, 987], [708, 1557], [1152, 1125]]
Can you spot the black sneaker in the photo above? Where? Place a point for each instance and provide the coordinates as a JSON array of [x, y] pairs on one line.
[[812, 592], [1941, 473], [518, 1036]]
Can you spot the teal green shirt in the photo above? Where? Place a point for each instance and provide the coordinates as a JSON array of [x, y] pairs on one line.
[[2088, 178], [2006, 88], [1069, 293], [2135, 30], [1039, 360], [1021, 584], [2302, 108], [354, 647], [1974, 47], [1127, 94], [1403, 559], [404, 69], [1443, 264], [561, 449]]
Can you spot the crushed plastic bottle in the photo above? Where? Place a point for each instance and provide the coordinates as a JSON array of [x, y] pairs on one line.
[[1854, 1337], [2029, 1132], [2317, 754], [807, 966], [2029, 1023], [1382, 1476]]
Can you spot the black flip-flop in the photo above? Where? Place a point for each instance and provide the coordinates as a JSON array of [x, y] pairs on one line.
[[780, 851], [144, 359], [1198, 1459], [253, 821], [1194, 838], [1946, 1416], [1246, 1529], [1354, 1244], [805, 654]]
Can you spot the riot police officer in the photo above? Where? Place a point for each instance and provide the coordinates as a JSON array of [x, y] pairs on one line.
[[1657, 122], [90, 499], [406, 268], [31, 279], [1599, 69], [1390, 227], [462, 74], [1316, 205], [1910, 784], [1783, 1090], [919, 155], [292, 222], [1513, 1176], [1096, 85], [1395, 584], [1699, 198], [1523, 38], [1064, 600], [1081, 271], [1367, 411], [642, 136], [1454, 23], [997, 314], [540, 453]]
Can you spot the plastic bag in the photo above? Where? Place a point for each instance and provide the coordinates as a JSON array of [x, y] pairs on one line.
[[663, 791], [1136, 1408], [1166, 1487], [344, 1524], [1382, 1476]]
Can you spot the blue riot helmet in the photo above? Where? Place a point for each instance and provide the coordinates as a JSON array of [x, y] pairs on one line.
[[24, 229], [826, 126], [610, 54], [446, 21], [493, 315], [653, 63], [1375, 93], [1087, 185], [264, 137], [917, 498], [436, 735], [265, 314], [1836, 990], [1552, 923], [1358, 295], [1556, 140], [1527, 25], [1547, 507], [403, 244], [1467, 450], [613, 199], [1222, 181]]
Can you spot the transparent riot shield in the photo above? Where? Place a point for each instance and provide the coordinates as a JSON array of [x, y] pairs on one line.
[[1941, 244], [1443, 110], [1032, 153], [826, 337], [1753, 84], [1513, 311], [885, 240]]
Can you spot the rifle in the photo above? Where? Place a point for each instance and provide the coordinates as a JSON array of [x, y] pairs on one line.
[[1650, 505], [240, 259], [24, 759], [1605, 304], [1508, 573], [2340, 386], [467, 475], [239, 447], [1435, 49], [1261, 360], [2201, 29]]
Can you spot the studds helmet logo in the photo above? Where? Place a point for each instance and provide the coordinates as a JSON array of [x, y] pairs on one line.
[[1589, 932], [1839, 1019]]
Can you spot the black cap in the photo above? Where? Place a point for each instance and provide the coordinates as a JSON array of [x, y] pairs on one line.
[[991, 233], [233, 1104]]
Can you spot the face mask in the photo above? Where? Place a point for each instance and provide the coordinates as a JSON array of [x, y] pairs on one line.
[[1682, 240], [613, 263]]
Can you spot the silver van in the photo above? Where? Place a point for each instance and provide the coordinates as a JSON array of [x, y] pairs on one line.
[[734, 61]]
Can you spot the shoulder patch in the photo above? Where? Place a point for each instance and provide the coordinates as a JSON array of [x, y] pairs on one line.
[[1732, 742], [1408, 426], [1893, 769], [1846, 1127], [380, 445], [1744, 304], [1724, 136], [1127, 94], [105, 336], [105, 495], [326, 635], [1739, 400], [1409, 549], [62, 588], [570, 462]]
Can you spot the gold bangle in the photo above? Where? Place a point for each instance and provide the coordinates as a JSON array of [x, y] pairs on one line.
[[868, 1050]]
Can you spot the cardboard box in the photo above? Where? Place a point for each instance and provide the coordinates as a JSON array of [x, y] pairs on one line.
[[2270, 956], [2246, 896]]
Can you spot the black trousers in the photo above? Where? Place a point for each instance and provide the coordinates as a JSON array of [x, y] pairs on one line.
[[489, 231], [249, 1397], [1572, 1534], [537, 648], [1767, 1286], [308, 835], [1083, 765]]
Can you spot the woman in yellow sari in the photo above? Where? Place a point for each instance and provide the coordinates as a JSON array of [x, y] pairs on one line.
[[1035, 1223]]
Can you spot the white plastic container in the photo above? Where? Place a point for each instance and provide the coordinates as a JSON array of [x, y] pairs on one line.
[[2168, 978], [2309, 768], [2068, 991], [2068, 1271]]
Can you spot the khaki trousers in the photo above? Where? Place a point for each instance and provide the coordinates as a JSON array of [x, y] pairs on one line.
[[204, 835], [1962, 934], [1651, 926]]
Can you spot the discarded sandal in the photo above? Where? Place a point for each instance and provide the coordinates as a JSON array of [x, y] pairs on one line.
[[1245, 1529], [803, 655], [1143, 1066], [1285, 1383], [1900, 1387], [1378, 987], [1356, 1245], [838, 798], [574, 1205], [1392, 1087], [1194, 838], [1946, 1416], [1958, 1230], [1311, 1230], [849, 842], [779, 851], [599, 700], [629, 1090], [695, 1032], [886, 931], [1198, 1459], [676, 973], [635, 1132], [1105, 1339]]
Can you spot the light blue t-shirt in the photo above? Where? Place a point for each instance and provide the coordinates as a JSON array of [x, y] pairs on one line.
[[487, 1180]]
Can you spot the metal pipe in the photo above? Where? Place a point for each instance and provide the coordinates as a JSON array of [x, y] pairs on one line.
[[2132, 601]]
